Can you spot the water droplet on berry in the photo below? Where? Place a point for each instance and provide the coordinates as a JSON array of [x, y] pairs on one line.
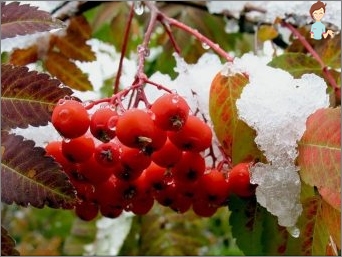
[[138, 8], [205, 46], [175, 99], [111, 123], [294, 231], [66, 140], [64, 115], [61, 101]]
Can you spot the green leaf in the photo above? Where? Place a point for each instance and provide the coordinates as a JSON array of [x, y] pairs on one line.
[[37, 180], [320, 152], [24, 19], [314, 236], [164, 232], [266, 32], [332, 221], [81, 234], [28, 98], [255, 229], [296, 64], [235, 136], [7, 244]]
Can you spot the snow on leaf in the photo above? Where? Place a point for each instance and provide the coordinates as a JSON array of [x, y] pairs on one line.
[[27, 97], [28, 177], [24, 19], [320, 151], [236, 138], [296, 64], [67, 72], [73, 44], [256, 230], [7, 244]]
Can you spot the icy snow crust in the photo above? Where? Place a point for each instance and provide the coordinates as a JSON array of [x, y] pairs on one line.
[[277, 106], [276, 9]]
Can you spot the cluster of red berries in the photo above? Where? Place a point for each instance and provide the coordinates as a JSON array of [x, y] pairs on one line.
[[127, 161]]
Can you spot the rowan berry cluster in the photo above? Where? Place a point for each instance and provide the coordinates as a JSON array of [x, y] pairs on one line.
[[128, 160]]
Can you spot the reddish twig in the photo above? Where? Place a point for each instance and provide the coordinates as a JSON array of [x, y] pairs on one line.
[[164, 19], [171, 37], [326, 72], [123, 50]]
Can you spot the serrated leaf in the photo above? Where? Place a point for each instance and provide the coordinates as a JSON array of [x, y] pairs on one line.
[[266, 32], [27, 97], [25, 19], [235, 136], [252, 227], [332, 220], [320, 151], [73, 44], [7, 244], [296, 64], [30, 177], [66, 71], [22, 57]]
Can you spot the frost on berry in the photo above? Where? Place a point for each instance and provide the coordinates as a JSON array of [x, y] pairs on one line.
[[277, 106]]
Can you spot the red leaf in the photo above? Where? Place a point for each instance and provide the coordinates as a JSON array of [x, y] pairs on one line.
[[7, 244], [25, 19], [320, 151], [235, 136], [27, 98], [332, 220], [30, 177]]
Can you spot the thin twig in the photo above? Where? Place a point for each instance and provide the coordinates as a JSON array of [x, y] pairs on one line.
[[123, 50]]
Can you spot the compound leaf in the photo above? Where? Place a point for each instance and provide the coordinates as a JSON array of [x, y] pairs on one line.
[[235, 136], [73, 44], [320, 153], [7, 244], [66, 71], [28, 98], [30, 177], [24, 19]]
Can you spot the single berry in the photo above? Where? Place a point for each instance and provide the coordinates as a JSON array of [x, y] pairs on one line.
[[94, 172], [86, 211], [78, 149], [167, 156], [195, 135], [204, 208], [135, 128], [239, 180], [171, 112], [103, 124], [70, 118], [189, 168], [108, 154]]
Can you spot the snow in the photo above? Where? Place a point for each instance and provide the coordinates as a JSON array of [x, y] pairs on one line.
[[279, 9], [277, 106], [110, 235]]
